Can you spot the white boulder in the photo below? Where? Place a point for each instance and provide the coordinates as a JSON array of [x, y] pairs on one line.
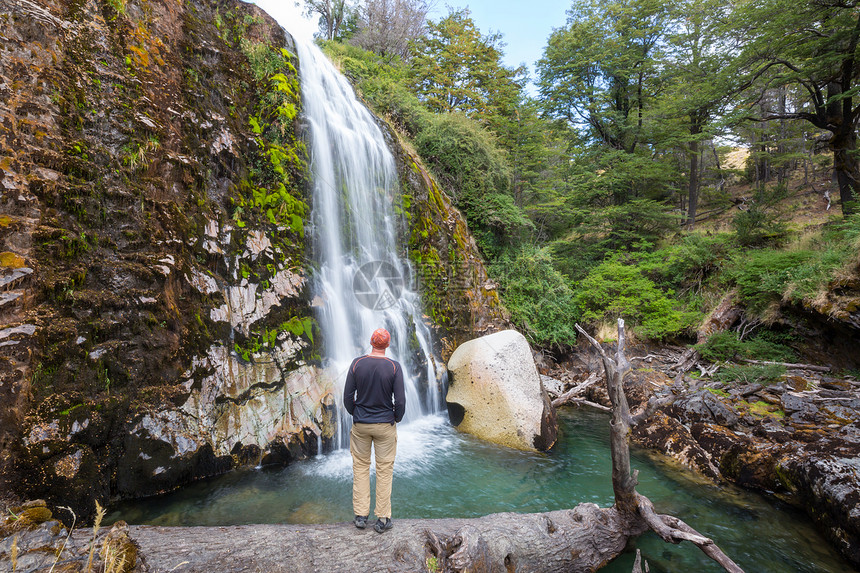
[[495, 393]]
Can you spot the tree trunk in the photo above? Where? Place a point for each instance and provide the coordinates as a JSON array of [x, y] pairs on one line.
[[782, 170], [634, 506], [693, 187], [582, 539], [845, 168]]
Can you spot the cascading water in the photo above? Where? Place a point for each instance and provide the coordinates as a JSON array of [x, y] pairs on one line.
[[355, 185]]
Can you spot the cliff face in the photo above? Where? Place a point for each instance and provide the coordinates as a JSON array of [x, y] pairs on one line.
[[155, 316]]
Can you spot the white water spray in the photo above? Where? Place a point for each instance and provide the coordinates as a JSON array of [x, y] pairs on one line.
[[355, 186]]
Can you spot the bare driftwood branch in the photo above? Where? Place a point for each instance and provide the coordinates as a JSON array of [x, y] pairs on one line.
[[708, 372], [791, 366], [580, 402], [628, 501], [568, 396], [747, 326], [647, 357], [637, 564], [687, 361]]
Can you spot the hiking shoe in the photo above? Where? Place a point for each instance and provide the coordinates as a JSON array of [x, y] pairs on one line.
[[383, 524], [360, 521]]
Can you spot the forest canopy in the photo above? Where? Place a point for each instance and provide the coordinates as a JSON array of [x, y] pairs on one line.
[[670, 151]]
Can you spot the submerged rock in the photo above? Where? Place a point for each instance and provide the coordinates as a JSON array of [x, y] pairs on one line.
[[496, 393]]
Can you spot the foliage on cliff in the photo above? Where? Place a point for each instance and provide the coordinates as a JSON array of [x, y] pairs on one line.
[[617, 160]]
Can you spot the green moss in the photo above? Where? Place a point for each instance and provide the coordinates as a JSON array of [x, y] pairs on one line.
[[761, 409], [68, 411], [784, 478]]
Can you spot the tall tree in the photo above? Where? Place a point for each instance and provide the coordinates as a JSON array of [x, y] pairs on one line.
[[387, 26], [600, 69], [456, 68], [696, 89], [812, 44], [332, 16]]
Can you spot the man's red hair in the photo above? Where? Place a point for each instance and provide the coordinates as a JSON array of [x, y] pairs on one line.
[[380, 338]]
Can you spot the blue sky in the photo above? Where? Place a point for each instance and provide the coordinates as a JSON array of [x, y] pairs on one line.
[[524, 25]]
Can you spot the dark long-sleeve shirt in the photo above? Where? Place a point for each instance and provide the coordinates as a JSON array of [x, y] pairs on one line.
[[374, 391]]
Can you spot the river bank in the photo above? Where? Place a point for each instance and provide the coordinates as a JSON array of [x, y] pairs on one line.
[[797, 440], [445, 475]]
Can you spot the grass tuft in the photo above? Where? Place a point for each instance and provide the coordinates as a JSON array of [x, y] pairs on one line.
[[100, 513]]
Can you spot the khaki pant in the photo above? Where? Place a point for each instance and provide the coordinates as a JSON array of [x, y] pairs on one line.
[[384, 440]]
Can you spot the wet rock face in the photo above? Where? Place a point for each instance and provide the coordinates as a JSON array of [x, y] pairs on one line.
[[156, 324], [496, 388], [457, 294], [241, 414], [829, 487]]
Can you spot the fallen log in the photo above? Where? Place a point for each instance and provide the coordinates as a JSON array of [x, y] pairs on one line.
[[581, 402], [790, 365], [581, 539], [568, 396]]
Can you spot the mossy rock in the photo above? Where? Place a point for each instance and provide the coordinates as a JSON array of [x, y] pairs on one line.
[[36, 515], [26, 517], [11, 260]]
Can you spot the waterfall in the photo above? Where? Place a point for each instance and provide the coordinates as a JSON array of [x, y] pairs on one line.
[[360, 283]]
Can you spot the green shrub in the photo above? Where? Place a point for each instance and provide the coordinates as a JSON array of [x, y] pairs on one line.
[[464, 154], [744, 374], [538, 297], [475, 172], [757, 226], [762, 277], [395, 101], [689, 263], [725, 346], [614, 289], [835, 249], [760, 348], [721, 346]]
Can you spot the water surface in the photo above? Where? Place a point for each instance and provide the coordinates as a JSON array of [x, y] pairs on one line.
[[442, 473]]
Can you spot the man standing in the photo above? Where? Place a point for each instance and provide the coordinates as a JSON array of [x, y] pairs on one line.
[[375, 398]]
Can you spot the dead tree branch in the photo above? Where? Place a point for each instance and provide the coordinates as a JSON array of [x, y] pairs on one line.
[[628, 501], [637, 564], [572, 395]]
